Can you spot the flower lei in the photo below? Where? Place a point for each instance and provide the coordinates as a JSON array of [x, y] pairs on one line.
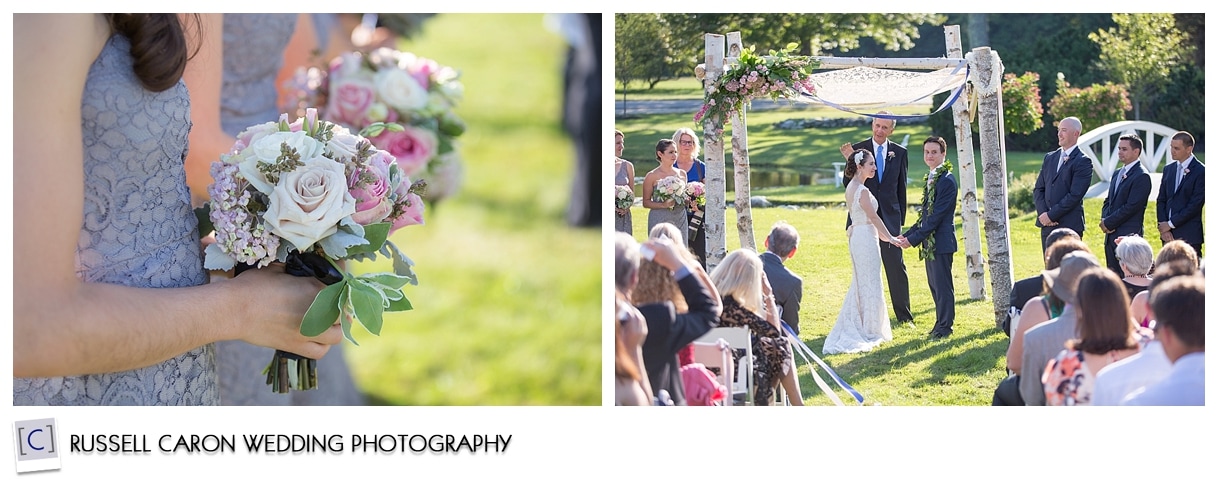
[[780, 75], [928, 207]]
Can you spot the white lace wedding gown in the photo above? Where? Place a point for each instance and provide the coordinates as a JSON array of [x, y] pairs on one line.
[[862, 323]]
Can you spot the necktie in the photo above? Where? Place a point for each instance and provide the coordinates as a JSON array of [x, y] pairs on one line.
[[1116, 179], [1179, 175], [879, 163], [1062, 161]]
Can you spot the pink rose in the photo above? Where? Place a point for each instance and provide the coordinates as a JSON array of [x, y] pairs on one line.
[[350, 100], [422, 70], [412, 213], [412, 148]]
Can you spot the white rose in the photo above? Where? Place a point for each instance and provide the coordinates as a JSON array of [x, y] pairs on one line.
[[308, 203], [343, 145], [268, 148], [453, 89], [400, 90], [253, 134]]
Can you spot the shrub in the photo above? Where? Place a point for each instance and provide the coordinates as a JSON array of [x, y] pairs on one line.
[[1019, 195], [1021, 108], [1095, 106]]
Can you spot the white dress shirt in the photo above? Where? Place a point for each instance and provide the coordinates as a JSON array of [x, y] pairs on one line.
[[1118, 380], [1185, 385]]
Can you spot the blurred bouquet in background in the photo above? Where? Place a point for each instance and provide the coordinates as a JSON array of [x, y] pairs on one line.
[[309, 194], [361, 90], [696, 193]]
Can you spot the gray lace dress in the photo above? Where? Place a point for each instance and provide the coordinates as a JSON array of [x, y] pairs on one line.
[[253, 55], [623, 223], [138, 229]]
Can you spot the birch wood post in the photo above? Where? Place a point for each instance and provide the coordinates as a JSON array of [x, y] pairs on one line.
[[974, 262], [714, 222], [740, 157], [993, 154]]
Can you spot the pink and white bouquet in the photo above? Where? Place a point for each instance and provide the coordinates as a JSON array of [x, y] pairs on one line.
[[362, 90], [309, 194], [696, 193], [623, 197], [669, 188]]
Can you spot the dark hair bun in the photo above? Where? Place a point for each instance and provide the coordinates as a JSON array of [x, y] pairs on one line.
[[158, 46]]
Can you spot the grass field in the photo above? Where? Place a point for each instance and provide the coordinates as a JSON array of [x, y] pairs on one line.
[[509, 297]]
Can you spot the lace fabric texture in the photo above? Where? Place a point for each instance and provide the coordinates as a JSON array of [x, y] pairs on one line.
[[862, 323], [138, 229], [874, 88], [253, 56]]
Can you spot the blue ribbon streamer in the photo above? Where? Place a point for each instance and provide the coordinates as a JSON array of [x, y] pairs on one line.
[[858, 397]]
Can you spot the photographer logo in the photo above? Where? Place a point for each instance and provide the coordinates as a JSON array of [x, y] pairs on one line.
[[37, 446]]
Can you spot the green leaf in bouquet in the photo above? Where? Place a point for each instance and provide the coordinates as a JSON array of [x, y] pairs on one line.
[[372, 130], [395, 127], [401, 263], [451, 124], [399, 305], [374, 236], [385, 286], [349, 235], [203, 214], [344, 301], [324, 310], [369, 306], [445, 145], [389, 280]]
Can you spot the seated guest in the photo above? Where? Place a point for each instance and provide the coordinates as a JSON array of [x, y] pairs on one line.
[[1036, 311], [749, 302], [1171, 252], [1179, 309], [630, 328], [680, 304], [1136, 259], [628, 382], [1033, 286], [788, 287], [1150, 365], [1105, 335], [1045, 341]]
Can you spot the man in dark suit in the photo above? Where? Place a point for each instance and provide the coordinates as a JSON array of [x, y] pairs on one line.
[[888, 187], [935, 233], [1182, 194], [1125, 208], [788, 288], [1063, 180]]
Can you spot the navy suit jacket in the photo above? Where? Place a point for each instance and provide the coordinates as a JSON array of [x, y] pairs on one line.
[[1182, 206], [1125, 208], [1060, 192], [941, 222], [788, 288], [668, 332], [890, 194]]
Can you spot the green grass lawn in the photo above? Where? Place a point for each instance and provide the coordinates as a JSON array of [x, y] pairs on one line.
[[910, 370], [508, 298]]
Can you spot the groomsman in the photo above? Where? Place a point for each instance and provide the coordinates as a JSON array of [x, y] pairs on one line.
[[1125, 208], [935, 231], [1063, 180], [888, 187], [1182, 194]]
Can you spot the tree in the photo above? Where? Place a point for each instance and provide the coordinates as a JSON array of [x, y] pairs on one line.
[[641, 51], [1141, 51], [815, 33]]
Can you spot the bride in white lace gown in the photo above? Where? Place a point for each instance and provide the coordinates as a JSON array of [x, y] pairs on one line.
[[862, 323]]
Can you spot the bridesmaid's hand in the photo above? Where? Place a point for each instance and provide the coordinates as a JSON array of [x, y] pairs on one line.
[[621, 212]]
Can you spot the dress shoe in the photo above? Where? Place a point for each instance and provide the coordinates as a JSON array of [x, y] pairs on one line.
[[938, 336]]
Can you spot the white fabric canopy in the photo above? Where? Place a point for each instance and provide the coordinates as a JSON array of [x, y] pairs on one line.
[[871, 89]]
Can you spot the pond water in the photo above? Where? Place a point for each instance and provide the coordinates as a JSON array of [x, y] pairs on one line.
[[767, 177]]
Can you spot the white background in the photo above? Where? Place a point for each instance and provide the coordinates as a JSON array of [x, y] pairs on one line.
[[579, 442]]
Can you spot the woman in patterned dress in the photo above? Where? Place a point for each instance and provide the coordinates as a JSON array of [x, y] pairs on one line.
[[748, 302]]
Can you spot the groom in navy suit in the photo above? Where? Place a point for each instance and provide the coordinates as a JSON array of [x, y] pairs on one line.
[[888, 187], [1182, 194], [935, 232], [1063, 180], [1125, 208]]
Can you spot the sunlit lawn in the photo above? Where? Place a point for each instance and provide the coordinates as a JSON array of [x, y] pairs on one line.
[[509, 298]]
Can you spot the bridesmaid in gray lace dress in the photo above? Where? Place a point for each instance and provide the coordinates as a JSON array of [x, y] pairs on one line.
[[111, 305], [667, 211], [253, 55], [623, 175]]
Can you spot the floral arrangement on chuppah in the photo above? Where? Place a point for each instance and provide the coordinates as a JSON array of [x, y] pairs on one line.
[[779, 75]]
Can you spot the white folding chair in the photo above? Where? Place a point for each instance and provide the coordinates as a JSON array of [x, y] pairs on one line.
[[717, 355], [737, 337]]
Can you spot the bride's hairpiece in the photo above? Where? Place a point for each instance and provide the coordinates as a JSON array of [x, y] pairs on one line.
[[858, 157]]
